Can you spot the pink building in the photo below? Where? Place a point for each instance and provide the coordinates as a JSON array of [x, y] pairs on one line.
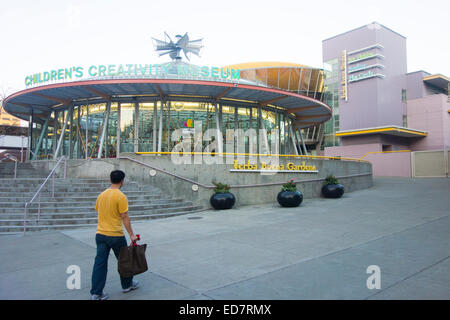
[[383, 111]]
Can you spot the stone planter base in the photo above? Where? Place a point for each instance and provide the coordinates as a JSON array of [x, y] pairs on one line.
[[222, 201], [333, 190], [290, 198]]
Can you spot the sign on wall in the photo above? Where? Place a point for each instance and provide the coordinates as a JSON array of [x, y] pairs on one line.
[[361, 71], [344, 75], [264, 167], [166, 70]]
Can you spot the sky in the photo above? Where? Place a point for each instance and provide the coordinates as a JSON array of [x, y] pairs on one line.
[[47, 34]]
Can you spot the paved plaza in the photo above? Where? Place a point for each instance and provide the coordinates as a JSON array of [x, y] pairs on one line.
[[320, 250]]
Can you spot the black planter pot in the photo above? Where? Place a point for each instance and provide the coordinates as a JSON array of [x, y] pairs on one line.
[[333, 190], [290, 198], [221, 201]]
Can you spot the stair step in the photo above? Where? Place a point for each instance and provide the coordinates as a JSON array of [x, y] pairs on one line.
[[48, 198], [81, 215], [66, 189], [61, 209], [48, 188], [80, 204], [19, 228]]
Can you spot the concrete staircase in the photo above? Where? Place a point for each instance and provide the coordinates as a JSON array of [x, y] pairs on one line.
[[74, 203], [24, 170]]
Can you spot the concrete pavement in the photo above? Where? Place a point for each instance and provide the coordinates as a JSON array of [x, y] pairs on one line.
[[320, 250]]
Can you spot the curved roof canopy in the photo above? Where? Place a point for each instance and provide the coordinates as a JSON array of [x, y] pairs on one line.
[[266, 64], [288, 76], [46, 98]]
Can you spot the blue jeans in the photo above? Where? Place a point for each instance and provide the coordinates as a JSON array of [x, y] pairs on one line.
[[104, 245]]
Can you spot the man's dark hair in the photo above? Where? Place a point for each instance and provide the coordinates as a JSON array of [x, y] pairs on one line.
[[117, 176]]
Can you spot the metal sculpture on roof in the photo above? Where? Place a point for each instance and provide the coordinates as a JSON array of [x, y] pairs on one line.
[[174, 48]]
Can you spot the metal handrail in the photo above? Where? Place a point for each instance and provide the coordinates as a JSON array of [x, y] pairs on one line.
[[252, 155], [13, 158], [169, 173], [374, 152], [38, 192]]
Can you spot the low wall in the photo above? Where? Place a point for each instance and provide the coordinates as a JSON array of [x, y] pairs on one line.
[[395, 164], [431, 163], [248, 187]]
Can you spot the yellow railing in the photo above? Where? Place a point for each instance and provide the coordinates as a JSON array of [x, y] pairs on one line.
[[252, 155], [373, 152]]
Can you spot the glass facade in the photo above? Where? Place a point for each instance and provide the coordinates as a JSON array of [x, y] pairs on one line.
[[135, 127], [331, 98]]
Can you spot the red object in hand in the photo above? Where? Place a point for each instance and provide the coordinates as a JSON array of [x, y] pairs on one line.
[[134, 242]]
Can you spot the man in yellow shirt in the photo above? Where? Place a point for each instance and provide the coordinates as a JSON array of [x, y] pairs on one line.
[[112, 208]]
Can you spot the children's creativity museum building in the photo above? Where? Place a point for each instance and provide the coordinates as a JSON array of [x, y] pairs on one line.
[[180, 126]]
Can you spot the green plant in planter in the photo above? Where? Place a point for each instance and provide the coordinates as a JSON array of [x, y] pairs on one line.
[[290, 186], [331, 180], [221, 187]]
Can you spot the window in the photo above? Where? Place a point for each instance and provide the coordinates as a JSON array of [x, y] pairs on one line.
[[403, 95], [387, 147], [405, 121], [336, 122]]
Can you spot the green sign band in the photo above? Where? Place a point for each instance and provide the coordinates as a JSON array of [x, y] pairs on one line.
[[144, 70]]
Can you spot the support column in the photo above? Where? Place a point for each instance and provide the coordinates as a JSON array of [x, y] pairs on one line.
[[299, 147], [320, 138], [262, 126], [41, 137], [220, 118], [136, 126], [236, 127], [118, 130], [78, 134], [160, 127], [219, 133], [106, 145], [286, 133], [155, 114], [248, 136], [278, 125], [293, 138], [55, 131], [258, 126], [169, 104], [70, 115], [303, 142], [61, 137], [104, 130], [46, 140], [86, 141], [30, 134]]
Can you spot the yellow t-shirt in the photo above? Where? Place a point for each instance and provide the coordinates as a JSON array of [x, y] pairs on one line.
[[110, 204]]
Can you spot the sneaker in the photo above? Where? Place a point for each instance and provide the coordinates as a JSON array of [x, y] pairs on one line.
[[134, 286], [102, 296]]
